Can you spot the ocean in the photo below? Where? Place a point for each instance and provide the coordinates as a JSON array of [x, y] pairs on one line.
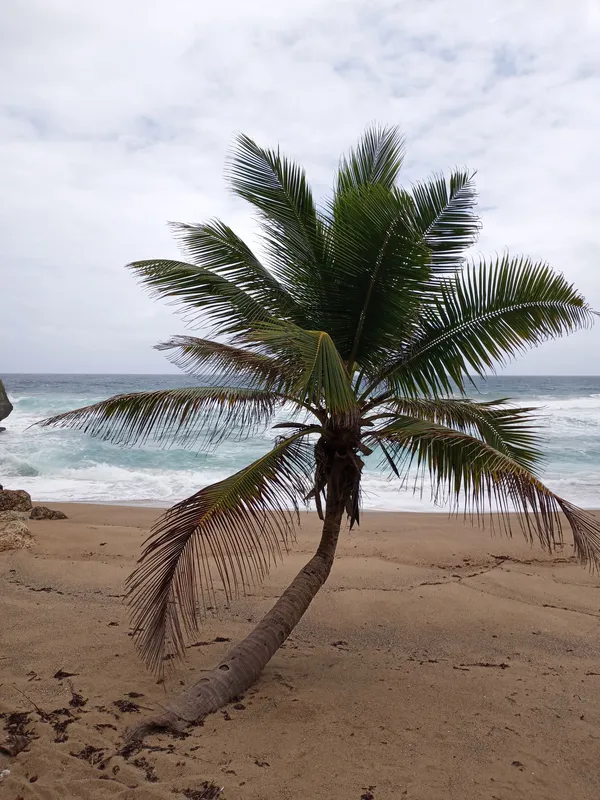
[[55, 465]]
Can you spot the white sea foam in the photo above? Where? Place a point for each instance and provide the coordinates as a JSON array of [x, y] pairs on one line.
[[63, 465]]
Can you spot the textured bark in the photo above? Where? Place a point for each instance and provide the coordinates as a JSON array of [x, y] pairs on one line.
[[244, 663]]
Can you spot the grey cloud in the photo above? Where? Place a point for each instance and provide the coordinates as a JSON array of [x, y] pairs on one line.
[[115, 118]]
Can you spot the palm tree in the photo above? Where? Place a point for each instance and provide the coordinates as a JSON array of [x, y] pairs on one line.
[[364, 320]]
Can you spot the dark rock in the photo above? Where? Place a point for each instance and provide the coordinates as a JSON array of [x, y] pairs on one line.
[[5, 405], [41, 512], [17, 500]]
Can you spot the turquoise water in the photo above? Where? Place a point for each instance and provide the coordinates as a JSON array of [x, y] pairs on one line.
[[65, 465]]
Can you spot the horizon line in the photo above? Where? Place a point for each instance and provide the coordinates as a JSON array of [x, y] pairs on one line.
[[184, 374]]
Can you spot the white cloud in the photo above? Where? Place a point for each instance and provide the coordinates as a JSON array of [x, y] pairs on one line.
[[116, 117]]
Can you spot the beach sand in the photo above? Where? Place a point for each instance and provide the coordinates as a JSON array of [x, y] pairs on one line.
[[437, 662]]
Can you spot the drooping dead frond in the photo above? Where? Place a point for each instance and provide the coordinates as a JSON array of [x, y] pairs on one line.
[[173, 416], [229, 532]]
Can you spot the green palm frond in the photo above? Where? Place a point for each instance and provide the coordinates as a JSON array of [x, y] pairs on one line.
[[202, 295], [217, 248], [476, 477], [278, 189], [201, 356], [482, 317], [378, 276], [441, 213], [173, 416], [321, 377], [377, 158], [510, 430], [230, 531]]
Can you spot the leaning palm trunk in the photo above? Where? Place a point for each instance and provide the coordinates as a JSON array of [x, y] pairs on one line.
[[244, 663], [365, 321]]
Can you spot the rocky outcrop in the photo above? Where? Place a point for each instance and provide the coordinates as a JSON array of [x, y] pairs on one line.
[[12, 516], [41, 512], [5, 405], [17, 500], [14, 535]]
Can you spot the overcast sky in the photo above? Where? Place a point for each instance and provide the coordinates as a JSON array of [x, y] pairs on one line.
[[117, 116]]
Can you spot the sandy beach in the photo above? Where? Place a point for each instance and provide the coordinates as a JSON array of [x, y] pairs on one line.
[[438, 662]]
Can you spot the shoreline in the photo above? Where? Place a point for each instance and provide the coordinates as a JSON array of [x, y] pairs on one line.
[[142, 504]]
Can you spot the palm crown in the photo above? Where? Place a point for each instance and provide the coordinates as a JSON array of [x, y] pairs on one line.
[[364, 319]]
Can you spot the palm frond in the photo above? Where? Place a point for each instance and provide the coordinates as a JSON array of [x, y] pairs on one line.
[[321, 377], [377, 158], [173, 416], [510, 430], [278, 189], [202, 295], [476, 477], [217, 248], [483, 317], [378, 277], [199, 356], [230, 531], [441, 213]]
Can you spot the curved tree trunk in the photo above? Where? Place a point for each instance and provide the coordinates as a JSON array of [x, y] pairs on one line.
[[244, 663]]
